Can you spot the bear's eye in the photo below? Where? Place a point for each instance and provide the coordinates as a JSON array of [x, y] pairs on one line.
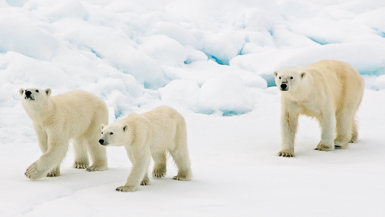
[[102, 132], [37, 91], [279, 77], [291, 77], [111, 133]]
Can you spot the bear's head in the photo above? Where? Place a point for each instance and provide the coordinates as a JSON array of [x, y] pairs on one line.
[[289, 79], [34, 95], [115, 135]]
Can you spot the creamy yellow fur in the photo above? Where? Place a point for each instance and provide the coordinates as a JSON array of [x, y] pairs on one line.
[[149, 134], [331, 91], [74, 115]]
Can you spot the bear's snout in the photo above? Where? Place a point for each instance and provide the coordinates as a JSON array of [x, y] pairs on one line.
[[283, 87], [101, 141], [28, 95]]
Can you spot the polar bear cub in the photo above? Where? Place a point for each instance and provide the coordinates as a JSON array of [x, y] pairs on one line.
[[149, 134], [74, 115], [331, 91]]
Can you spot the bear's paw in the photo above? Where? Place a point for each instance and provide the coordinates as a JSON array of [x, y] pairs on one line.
[[286, 154], [54, 172], [81, 165], [323, 147], [33, 172], [126, 188], [145, 182], [181, 178], [159, 172], [340, 145], [97, 168]]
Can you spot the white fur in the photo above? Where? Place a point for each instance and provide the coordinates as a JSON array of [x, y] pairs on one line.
[[149, 134], [331, 91], [74, 115]]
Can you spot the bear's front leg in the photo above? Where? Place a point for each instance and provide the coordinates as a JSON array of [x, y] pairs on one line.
[[328, 128], [140, 161], [38, 170], [289, 124], [48, 161], [35, 171]]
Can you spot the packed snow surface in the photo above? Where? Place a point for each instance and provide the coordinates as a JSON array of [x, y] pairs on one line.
[[214, 62]]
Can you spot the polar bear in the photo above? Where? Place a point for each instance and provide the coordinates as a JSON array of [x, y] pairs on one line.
[[74, 115], [149, 134], [329, 90]]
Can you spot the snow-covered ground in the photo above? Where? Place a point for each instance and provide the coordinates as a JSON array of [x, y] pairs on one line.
[[214, 62]]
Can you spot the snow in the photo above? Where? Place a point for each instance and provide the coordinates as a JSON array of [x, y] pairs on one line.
[[214, 62], [226, 93], [20, 35]]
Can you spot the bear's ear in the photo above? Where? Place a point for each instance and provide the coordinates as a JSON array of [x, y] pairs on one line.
[[48, 91], [275, 74], [125, 128], [21, 91], [303, 74], [102, 126]]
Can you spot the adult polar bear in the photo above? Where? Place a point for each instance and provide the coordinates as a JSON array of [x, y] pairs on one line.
[[57, 119], [331, 91], [150, 134]]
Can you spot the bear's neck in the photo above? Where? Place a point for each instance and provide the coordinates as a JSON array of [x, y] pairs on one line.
[[40, 113]]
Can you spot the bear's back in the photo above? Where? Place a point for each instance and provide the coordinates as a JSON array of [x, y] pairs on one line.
[[79, 98], [342, 70], [163, 114], [79, 104], [342, 80]]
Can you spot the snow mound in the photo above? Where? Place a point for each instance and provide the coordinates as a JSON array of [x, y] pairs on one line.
[[23, 33], [227, 94]]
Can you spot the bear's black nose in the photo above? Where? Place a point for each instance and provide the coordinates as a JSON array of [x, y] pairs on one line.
[[101, 141], [28, 93], [283, 86]]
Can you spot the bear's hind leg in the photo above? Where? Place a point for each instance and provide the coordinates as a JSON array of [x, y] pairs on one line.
[[354, 137], [81, 156], [184, 169], [98, 155], [343, 128], [180, 154], [182, 161], [97, 152], [160, 167]]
